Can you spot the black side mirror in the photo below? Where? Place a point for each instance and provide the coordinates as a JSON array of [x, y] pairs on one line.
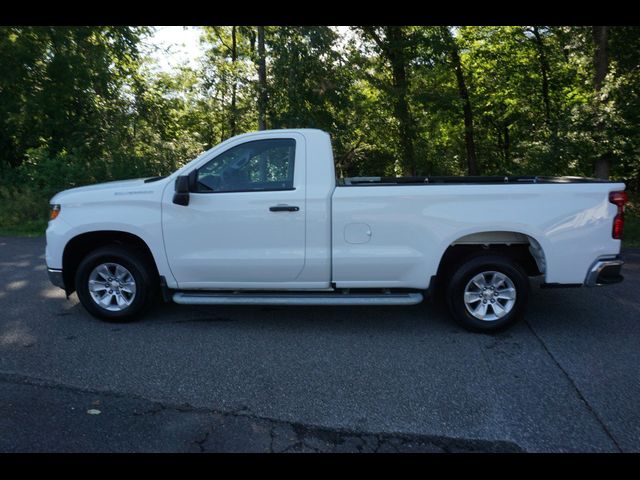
[[193, 181], [181, 197]]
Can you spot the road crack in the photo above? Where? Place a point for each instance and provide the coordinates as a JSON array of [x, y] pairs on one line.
[[575, 388], [291, 436]]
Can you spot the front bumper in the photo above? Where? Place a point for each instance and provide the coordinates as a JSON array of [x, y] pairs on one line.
[[604, 271], [55, 277]]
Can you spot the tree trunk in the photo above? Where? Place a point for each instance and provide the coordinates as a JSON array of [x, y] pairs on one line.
[[234, 87], [601, 63], [506, 145], [397, 58], [544, 71], [601, 59], [405, 120], [392, 48], [472, 163], [262, 81]]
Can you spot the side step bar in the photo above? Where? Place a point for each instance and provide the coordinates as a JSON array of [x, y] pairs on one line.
[[209, 298]]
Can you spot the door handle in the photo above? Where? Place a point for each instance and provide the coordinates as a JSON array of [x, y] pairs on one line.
[[284, 208]]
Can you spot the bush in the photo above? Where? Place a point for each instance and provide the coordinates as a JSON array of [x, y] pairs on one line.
[[25, 191]]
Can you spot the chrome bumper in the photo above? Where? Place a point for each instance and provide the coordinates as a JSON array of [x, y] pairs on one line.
[[55, 277], [604, 271]]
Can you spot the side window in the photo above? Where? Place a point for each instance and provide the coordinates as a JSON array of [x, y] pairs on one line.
[[257, 165]]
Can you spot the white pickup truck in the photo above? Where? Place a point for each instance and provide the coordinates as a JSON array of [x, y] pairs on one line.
[[262, 219]]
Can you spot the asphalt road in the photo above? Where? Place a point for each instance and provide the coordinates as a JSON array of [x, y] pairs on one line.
[[315, 379]]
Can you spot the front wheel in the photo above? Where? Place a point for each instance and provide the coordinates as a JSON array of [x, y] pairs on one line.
[[488, 293], [113, 284]]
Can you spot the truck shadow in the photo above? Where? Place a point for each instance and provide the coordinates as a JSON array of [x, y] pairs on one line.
[[25, 294], [423, 316], [549, 310], [559, 310]]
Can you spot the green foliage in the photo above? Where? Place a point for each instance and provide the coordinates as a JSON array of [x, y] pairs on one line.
[[24, 211], [631, 237]]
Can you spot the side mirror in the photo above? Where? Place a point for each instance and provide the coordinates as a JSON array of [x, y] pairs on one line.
[[193, 181], [181, 197]]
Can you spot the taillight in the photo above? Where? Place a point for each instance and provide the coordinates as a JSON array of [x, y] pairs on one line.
[[618, 199]]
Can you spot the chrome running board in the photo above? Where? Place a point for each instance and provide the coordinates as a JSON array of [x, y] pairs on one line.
[[210, 298]]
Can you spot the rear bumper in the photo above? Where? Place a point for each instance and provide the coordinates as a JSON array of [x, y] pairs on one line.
[[604, 271], [55, 277]]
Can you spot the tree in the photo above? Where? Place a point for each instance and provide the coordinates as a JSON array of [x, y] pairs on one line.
[[544, 72], [262, 80], [450, 41], [601, 64], [61, 88], [227, 71], [393, 43], [84, 104]]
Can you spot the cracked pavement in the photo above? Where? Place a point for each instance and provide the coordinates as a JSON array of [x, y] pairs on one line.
[[139, 425], [293, 379]]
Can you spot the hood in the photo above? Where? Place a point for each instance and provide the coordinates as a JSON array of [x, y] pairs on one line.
[[123, 187]]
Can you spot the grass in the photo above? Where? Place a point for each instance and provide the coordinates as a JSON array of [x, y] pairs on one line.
[[23, 213], [32, 228]]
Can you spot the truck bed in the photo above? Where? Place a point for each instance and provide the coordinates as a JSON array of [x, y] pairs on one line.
[[396, 236]]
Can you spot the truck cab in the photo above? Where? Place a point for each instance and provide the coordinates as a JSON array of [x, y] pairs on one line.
[[258, 215]]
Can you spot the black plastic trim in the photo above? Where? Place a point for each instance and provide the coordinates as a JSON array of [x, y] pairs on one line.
[[56, 277], [483, 180], [610, 280], [165, 290], [241, 191], [284, 208], [610, 275], [155, 179], [560, 285]]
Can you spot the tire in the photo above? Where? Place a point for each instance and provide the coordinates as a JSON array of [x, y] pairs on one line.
[[131, 291], [479, 308]]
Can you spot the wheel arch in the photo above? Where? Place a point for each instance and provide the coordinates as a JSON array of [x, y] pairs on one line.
[[82, 244], [520, 246]]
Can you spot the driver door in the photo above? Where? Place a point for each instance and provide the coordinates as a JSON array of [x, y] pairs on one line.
[[244, 226]]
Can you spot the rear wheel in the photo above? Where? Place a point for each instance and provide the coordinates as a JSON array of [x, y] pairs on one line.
[[114, 284], [488, 293]]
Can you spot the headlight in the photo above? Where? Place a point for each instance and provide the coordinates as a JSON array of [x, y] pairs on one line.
[[54, 211]]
